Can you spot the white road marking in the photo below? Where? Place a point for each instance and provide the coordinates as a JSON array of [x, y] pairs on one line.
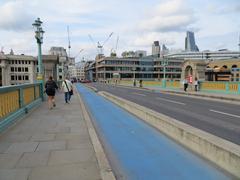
[[233, 115], [139, 94], [176, 102]]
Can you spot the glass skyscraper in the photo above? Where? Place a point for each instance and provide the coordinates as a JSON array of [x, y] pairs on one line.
[[190, 42]]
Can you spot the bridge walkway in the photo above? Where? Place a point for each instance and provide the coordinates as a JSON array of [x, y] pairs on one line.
[[49, 144]]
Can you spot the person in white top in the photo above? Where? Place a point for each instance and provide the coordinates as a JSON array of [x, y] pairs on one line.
[[67, 87], [196, 84]]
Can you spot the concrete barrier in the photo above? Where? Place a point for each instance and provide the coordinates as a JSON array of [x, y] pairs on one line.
[[223, 153]]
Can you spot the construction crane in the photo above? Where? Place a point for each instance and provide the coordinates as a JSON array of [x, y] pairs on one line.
[[78, 53], [114, 50], [100, 45], [90, 37], [69, 44]]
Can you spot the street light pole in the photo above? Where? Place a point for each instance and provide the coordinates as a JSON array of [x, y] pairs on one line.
[[39, 37], [165, 63], [134, 76]]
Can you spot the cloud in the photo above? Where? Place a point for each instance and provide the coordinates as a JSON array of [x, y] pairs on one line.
[[223, 10], [14, 17], [166, 24], [168, 16]]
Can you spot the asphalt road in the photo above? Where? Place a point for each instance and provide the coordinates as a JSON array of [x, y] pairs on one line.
[[218, 118]]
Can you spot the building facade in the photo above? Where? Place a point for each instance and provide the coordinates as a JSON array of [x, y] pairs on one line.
[[173, 68], [17, 69], [205, 55], [190, 44], [225, 70], [156, 49]]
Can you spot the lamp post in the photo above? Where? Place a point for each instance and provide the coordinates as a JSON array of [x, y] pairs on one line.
[[165, 63], [134, 78], [39, 37]]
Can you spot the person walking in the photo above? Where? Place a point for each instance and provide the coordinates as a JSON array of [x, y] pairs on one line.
[[196, 84], [185, 84], [50, 87], [67, 88]]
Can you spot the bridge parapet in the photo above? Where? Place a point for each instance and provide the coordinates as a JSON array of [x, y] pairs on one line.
[[16, 101]]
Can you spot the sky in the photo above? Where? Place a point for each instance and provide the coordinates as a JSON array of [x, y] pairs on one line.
[[136, 23]]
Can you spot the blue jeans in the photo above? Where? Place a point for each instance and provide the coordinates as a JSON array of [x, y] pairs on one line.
[[67, 97]]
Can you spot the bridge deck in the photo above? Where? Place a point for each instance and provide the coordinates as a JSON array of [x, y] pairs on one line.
[[49, 144]]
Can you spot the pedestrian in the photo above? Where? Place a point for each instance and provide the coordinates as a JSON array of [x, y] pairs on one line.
[[185, 84], [134, 82], [67, 88], [196, 84], [140, 83], [50, 87]]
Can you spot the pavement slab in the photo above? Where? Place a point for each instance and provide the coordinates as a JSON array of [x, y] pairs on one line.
[[49, 145], [14, 174], [34, 159]]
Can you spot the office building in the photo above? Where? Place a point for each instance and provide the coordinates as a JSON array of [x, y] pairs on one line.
[[190, 44], [156, 49], [17, 69]]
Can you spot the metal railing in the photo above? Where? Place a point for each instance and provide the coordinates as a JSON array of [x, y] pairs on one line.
[[207, 86], [17, 100]]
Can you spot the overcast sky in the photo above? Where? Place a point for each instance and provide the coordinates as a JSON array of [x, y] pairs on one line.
[[138, 23]]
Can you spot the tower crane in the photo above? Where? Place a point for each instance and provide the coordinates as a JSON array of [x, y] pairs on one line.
[[100, 45], [114, 50], [69, 45], [78, 53]]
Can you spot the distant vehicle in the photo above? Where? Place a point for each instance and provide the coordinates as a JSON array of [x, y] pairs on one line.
[[85, 81], [73, 80]]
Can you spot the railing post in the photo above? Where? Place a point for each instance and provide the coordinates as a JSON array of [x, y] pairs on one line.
[[163, 83], [227, 87], [238, 88], [41, 91], [35, 91], [21, 98]]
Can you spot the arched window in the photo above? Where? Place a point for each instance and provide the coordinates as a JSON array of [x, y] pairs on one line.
[[225, 66], [234, 66]]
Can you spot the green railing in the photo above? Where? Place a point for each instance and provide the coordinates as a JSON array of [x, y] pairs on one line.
[[206, 86], [17, 100], [221, 87]]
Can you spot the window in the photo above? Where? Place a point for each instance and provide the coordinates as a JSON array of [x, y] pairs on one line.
[[26, 69], [12, 69], [19, 69], [19, 78], [60, 70], [60, 77], [12, 78], [26, 78]]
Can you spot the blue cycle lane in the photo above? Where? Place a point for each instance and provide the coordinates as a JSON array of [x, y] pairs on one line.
[[138, 151]]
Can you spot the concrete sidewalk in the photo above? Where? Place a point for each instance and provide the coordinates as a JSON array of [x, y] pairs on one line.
[[49, 145]]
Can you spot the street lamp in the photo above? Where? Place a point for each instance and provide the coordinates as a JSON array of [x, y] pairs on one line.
[[164, 64], [39, 37], [134, 78]]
